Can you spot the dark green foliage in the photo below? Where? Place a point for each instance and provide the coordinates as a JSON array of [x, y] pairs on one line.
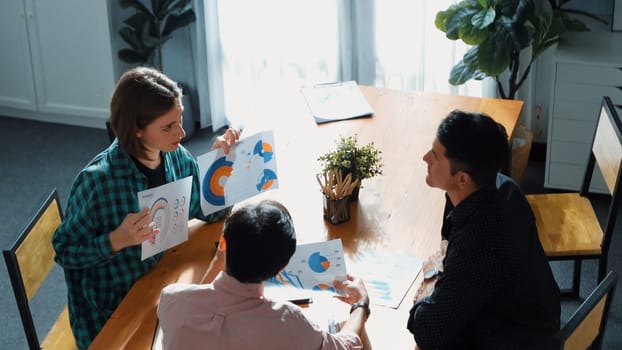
[[497, 31], [148, 29]]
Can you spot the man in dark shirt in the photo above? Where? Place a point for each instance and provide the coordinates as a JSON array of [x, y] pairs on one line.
[[493, 287]]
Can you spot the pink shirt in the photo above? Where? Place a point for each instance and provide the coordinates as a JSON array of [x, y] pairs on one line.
[[231, 315]]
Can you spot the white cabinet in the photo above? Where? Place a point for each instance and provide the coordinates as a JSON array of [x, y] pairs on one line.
[[56, 63], [587, 67]]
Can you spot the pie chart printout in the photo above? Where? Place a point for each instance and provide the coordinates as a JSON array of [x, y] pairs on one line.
[[247, 170], [318, 263], [314, 266]]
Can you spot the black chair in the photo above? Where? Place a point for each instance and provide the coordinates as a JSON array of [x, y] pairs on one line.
[[585, 328], [29, 261], [568, 227]]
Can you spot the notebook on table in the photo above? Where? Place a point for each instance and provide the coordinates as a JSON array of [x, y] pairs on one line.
[[336, 101]]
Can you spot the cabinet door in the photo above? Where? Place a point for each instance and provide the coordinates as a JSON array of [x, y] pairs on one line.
[[72, 56], [17, 84]]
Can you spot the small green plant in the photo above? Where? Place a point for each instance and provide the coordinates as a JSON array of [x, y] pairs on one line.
[[362, 162]]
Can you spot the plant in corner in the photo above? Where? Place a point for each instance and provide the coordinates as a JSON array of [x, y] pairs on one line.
[[497, 31], [147, 30], [349, 157]]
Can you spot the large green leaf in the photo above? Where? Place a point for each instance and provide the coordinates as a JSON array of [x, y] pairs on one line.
[[130, 37], [173, 22], [507, 8], [473, 35], [459, 25], [137, 20], [442, 19], [149, 36], [515, 36], [177, 7], [137, 5], [483, 18], [466, 69], [523, 12], [494, 55]]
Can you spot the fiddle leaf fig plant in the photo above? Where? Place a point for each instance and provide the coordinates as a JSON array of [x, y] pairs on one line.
[[497, 31], [149, 28]]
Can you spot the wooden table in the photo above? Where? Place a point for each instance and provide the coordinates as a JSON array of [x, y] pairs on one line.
[[395, 211]]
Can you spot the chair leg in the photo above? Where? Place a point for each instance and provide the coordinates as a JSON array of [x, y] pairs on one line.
[[574, 291], [576, 279], [602, 268]]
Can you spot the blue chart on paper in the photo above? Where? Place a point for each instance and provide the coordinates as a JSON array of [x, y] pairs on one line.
[[318, 263]]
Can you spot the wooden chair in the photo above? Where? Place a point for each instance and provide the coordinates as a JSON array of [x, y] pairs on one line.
[[29, 261], [585, 328], [567, 223]]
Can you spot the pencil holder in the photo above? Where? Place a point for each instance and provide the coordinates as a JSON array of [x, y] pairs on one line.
[[337, 210]]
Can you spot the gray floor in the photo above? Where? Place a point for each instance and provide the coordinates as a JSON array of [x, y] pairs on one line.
[[36, 157]]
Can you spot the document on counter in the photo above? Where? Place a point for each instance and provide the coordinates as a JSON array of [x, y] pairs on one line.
[[314, 266], [387, 275], [336, 101], [249, 169], [168, 210]]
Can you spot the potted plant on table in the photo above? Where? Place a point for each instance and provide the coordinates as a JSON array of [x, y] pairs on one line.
[[361, 162], [146, 32]]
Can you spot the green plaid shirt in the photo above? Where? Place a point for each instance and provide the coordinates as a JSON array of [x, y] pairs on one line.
[[102, 194]]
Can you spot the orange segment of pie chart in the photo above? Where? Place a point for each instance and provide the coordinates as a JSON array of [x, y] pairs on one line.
[[215, 186]]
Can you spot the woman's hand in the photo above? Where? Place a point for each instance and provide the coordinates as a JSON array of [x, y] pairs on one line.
[[135, 229], [226, 140]]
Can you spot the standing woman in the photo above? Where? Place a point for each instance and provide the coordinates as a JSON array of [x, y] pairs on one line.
[[99, 242]]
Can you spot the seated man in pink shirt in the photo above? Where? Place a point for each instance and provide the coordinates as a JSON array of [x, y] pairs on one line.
[[232, 312]]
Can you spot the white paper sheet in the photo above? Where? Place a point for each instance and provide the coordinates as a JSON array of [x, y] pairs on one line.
[[387, 275], [336, 101], [314, 266], [168, 209], [249, 169]]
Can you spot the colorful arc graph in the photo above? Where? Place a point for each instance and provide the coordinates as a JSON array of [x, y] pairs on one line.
[[213, 191], [264, 150], [159, 213], [267, 180], [324, 287]]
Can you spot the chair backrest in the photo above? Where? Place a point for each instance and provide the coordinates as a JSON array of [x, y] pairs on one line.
[[31, 258], [607, 145], [606, 153], [586, 326]]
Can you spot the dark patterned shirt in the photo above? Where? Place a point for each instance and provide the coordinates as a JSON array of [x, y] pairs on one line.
[[102, 195], [497, 290]]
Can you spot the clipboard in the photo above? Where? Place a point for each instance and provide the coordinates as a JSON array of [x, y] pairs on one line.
[[336, 101]]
